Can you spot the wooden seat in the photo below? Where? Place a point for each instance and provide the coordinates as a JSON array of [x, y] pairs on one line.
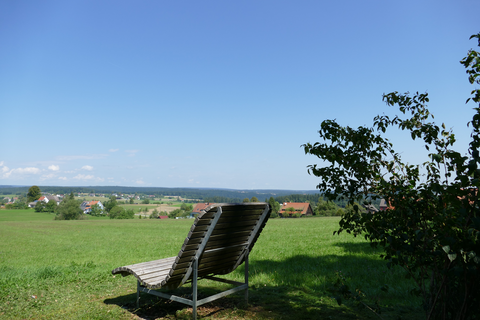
[[220, 239]]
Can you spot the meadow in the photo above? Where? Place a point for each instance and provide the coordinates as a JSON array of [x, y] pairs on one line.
[[62, 269]]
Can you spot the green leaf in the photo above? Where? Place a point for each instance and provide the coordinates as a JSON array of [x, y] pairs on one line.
[[446, 249], [452, 256]]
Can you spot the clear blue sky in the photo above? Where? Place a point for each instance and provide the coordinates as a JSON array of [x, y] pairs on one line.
[[217, 94]]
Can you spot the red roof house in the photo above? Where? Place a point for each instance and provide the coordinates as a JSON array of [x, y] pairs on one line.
[[200, 207], [288, 209]]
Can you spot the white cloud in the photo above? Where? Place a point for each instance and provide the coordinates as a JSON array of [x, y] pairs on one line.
[[84, 177], [1, 163], [54, 167], [131, 153], [88, 168], [140, 181], [19, 171], [62, 178], [113, 150], [87, 177]]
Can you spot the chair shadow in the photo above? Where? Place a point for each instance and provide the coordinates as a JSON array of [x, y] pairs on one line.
[[153, 307], [284, 299]]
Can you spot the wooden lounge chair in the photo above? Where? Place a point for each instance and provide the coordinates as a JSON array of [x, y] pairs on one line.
[[220, 239]]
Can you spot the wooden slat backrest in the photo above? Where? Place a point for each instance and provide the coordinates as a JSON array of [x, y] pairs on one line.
[[236, 230]]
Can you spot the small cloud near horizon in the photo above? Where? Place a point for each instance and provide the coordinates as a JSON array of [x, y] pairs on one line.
[[113, 150], [54, 167], [84, 177], [88, 168], [131, 153]]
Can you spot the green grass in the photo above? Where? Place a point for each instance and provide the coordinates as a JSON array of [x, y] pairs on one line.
[[24, 215], [139, 206], [61, 269]]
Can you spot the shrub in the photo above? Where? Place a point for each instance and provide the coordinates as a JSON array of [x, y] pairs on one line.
[[432, 225], [69, 209], [120, 213]]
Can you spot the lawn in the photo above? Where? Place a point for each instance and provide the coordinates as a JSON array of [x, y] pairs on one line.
[[61, 269], [150, 207]]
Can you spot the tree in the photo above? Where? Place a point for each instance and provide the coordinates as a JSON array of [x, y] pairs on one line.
[[110, 203], [154, 214], [275, 207], [33, 194], [118, 212], [96, 210], [51, 206], [40, 206], [327, 208], [69, 209], [246, 200], [175, 213], [131, 201], [186, 207], [432, 225], [254, 199]]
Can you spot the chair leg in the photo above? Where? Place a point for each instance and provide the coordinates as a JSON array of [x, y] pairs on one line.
[[138, 294], [194, 287], [246, 276]]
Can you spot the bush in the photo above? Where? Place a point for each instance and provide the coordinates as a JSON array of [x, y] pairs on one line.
[[69, 209], [432, 225], [154, 214], [120, 213]]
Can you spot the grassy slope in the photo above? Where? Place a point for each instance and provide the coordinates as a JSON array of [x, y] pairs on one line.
[[62, 269]]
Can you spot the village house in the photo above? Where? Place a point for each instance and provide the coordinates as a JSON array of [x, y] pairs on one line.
[[290, 209], [45, 199], [86, 206], [199, 208]]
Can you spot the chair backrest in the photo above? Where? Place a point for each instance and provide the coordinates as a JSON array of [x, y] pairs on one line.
[[219, 238]]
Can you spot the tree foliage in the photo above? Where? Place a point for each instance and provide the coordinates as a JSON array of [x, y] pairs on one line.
[[41, 206], [110, 203], [432, 225], [33, 194], [275, 207], [327, 208], [69, 209], [118, 212], [96, 210]]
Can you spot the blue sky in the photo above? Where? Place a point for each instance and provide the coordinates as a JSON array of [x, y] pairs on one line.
[[217, 94]]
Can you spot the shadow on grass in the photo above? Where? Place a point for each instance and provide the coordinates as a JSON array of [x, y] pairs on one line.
[[279, 302], [358, 248], [296, 288]]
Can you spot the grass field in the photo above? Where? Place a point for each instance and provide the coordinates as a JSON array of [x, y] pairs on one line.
[[61, 269], [151, 208]]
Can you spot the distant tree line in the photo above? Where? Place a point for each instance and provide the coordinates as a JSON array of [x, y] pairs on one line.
[[205, 195], [320, 206]]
